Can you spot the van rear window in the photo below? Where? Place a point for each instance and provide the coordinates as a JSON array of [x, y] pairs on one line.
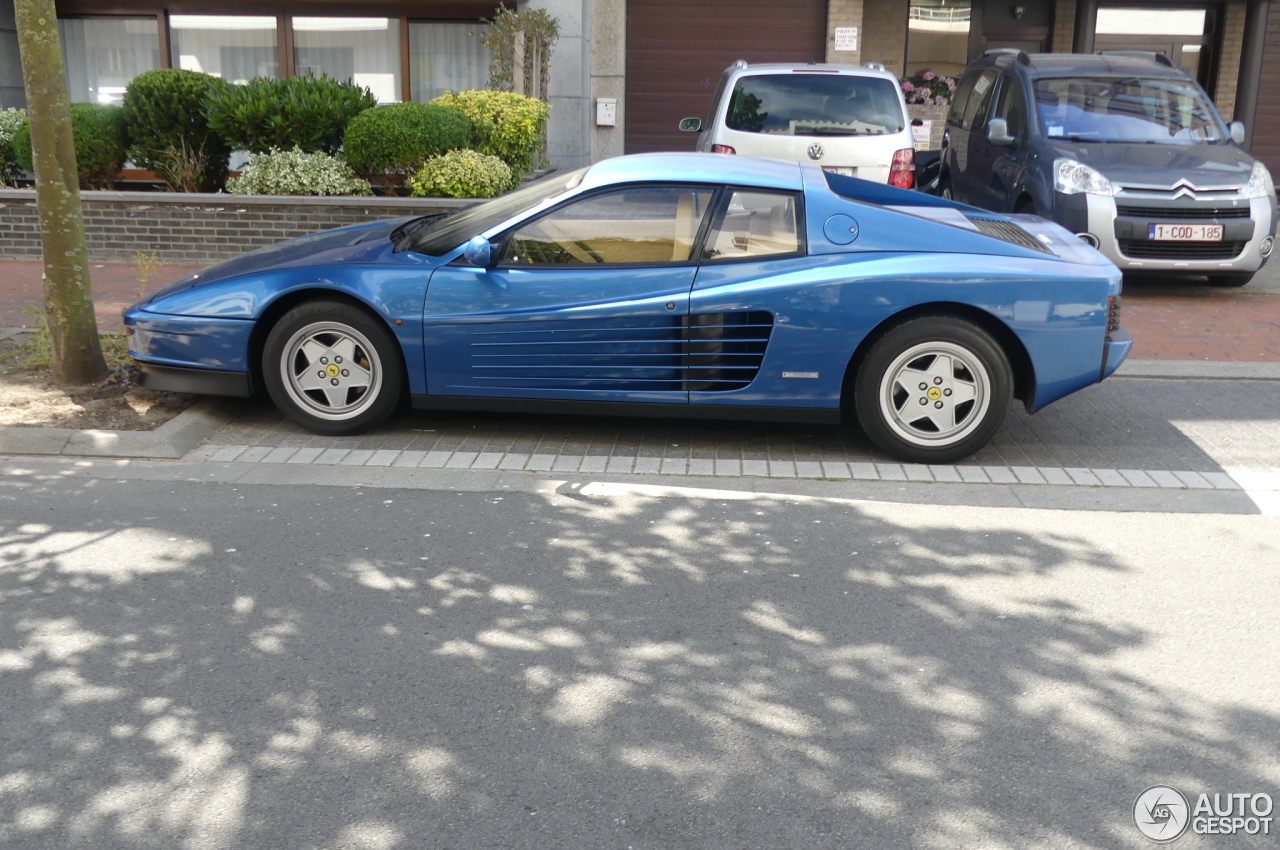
[[800, 104]]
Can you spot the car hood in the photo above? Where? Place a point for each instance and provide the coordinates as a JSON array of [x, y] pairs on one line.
[[345, 244], [1137, 164]]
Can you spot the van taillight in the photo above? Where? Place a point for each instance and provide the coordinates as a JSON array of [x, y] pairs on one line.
[[903, 171], [722, 149]]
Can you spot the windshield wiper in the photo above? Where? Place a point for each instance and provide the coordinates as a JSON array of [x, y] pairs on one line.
[[1085, 139], [411, 228]]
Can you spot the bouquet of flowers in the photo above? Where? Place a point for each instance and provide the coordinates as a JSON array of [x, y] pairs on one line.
[[928, 88]]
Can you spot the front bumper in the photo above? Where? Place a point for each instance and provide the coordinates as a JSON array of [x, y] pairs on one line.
[[178, 379], [1119, 224], [190, 354]]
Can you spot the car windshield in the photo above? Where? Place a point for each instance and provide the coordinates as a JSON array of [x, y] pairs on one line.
[[1131, 109], [445, 234], [815, 104]]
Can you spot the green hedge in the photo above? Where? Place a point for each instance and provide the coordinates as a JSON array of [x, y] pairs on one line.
[[169, 133], [98, 132], [10, 121], [309, 113], [461, 174], [504, 124], [399, 137]]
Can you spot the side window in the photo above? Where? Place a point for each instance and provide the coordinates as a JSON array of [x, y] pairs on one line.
[[754, 224], [975, 110], [956, 115], [1012, 106], [651, 224]]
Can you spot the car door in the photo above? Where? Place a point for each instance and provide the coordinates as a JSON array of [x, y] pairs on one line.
[[972, 156], [587, 302], [1001, 190]]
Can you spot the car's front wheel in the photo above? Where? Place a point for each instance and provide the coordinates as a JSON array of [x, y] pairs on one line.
[[1230, 280], [332, 368], [933, 390]]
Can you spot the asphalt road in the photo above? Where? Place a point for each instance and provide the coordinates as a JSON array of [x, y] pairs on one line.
[[538, 662]]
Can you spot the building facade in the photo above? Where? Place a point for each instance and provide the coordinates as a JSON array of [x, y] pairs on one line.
[[653, 61]]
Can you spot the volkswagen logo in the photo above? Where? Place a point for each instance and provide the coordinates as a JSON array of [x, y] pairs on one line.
[[816, 151]]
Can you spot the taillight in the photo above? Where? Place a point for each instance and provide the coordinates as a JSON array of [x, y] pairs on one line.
[[722, 149], [902, 173], [1113, 314]]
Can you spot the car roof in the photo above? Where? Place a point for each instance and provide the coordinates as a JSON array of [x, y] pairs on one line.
[[743, 69], [696, 167], [1089, 65]]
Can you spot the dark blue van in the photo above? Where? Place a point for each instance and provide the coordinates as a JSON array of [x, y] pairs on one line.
[[1123, 149]]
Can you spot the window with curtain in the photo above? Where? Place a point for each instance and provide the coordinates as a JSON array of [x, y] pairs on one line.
[[365, 51], [236, 48], [446, 57], [104, 54]]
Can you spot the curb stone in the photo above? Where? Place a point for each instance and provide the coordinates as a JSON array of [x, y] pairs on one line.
[[170, 441]]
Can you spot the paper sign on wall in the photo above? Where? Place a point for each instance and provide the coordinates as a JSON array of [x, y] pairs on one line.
[[922, 134], [847, 39]]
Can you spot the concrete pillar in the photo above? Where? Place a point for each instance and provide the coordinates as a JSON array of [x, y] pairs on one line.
[[608, 74], [1086, 26], [1247, 84], [568, 143]]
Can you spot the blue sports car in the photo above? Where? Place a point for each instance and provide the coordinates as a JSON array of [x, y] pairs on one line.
[[666, 285]]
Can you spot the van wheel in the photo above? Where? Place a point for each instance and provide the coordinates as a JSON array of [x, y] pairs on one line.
[[933, 390], [1230, 280]]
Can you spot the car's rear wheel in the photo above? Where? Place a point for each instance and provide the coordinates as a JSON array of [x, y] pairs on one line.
[[332, 368], [1230, 280], [933, 390]]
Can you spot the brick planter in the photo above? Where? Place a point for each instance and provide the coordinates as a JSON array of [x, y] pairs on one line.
[[196, 228], [937, 115]]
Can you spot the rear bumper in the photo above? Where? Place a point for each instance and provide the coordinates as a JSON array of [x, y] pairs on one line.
[[1114, 351]]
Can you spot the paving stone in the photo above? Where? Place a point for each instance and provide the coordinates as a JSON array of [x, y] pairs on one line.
[[383, 457]]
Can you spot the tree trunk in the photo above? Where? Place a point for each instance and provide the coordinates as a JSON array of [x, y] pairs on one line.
[[68, 297]]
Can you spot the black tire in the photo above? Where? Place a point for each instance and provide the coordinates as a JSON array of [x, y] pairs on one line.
[[967, 387], [1231, 280], [332, 368], [944, 188]]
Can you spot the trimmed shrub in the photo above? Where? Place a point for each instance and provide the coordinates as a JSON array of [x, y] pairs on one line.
[[461, 174], [309, 113], [505, 124], [10, 121], [98, 133], [169, 133], [297, 172], [399, 137]]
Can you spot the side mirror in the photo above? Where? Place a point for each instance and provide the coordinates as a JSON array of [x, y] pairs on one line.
[[691, 125], [479, 252], [998, 132], [1237, 132], [917, 122]]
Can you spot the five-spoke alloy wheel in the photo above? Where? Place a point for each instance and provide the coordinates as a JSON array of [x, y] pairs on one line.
[[332, 368], [933, 390]]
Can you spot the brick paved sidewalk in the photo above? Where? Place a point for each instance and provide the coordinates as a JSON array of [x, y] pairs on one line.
[[1169, 321]]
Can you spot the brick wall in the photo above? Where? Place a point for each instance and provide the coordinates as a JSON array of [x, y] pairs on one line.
[[1064, 26], [195, 229], [845, 13], [884, 33], [1229, 63]]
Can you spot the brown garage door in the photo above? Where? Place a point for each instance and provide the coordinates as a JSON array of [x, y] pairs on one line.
[[1266, 127], [677, 49]]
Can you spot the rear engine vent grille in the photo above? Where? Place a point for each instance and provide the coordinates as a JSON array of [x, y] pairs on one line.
[[1008, 232]]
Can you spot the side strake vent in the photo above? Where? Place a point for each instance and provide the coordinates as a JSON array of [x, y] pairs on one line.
[[713, 352], [1008, 232]]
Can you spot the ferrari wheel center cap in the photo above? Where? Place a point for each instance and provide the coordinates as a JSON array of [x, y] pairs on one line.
[[332, 370], [934, 393]]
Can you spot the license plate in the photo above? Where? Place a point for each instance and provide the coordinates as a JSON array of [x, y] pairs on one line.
[[1185, 232], [835, 169]]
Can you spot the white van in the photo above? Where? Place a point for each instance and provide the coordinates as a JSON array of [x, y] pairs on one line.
[[850, 119]]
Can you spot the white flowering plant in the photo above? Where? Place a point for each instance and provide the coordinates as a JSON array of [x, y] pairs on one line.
[[10, 121], [295, 172]]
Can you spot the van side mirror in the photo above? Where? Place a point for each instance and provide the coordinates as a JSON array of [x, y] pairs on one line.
[[691, 125], [998, 132], [1237, 132], [479, 252]]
